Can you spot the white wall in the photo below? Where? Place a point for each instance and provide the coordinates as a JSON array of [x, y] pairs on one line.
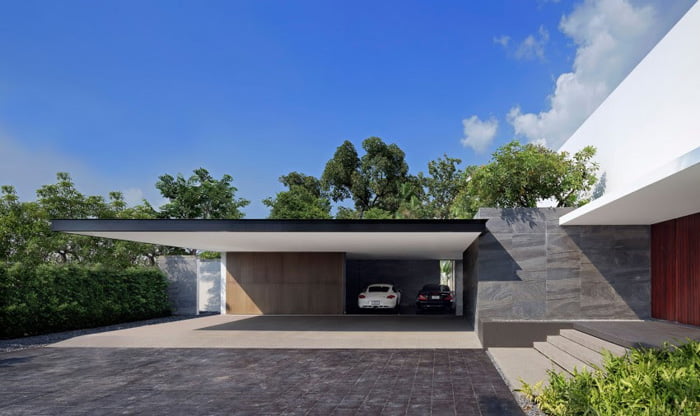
[[653, 117], [209, 286]]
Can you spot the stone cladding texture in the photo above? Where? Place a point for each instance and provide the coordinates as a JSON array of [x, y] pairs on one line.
[[529, 267]]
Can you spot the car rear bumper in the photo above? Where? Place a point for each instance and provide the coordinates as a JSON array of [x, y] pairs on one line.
[[435, 304], [383, 304]]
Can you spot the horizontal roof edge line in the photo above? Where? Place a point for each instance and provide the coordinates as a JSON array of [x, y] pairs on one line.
[[258, 225]]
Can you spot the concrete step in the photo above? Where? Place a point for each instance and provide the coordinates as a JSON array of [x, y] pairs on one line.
[[526, 364], [561, 357], [591, 342], [576, 350]]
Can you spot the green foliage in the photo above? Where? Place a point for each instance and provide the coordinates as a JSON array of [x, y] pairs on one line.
[[466, 202], [412, 200], [26, 236], [521, 175], [210, 255], [372, 181], [200, 196], [304, 199], [442, 186], [652, 382], [49, 298]]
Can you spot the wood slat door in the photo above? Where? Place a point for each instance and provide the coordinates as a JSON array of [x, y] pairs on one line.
[[675, 270]]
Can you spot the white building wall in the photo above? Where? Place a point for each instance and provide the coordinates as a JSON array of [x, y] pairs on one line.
[[209, 288], [653, 117]]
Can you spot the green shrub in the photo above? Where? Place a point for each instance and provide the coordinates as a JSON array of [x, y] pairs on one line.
[[653, 382], [49, 298]]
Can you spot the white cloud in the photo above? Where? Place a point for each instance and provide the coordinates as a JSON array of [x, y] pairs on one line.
[[502, 40], [611, 37], [479, 134], [533, 46]]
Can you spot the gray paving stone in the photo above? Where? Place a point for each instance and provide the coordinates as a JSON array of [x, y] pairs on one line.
[[108, 381]]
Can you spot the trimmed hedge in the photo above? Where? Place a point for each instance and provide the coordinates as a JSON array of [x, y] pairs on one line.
[[50, 298]]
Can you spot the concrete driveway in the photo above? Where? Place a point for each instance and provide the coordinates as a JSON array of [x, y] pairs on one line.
[[322, 332], [201, 381]]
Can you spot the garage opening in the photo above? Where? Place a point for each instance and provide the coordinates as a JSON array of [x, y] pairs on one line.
[[405, 279]]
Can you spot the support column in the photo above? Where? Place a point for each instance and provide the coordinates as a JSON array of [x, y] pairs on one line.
[[224, 272], [458, 272]]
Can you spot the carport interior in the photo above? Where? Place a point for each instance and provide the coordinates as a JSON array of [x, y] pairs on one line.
[[407, 275]]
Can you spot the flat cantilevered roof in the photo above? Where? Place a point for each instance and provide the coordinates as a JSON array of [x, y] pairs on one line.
[[370, 239]]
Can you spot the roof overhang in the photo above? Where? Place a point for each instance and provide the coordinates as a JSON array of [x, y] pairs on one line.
[[359, 239], [671, 191]]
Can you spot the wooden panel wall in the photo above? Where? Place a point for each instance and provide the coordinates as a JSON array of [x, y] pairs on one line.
[[285, 283], [675, 270]]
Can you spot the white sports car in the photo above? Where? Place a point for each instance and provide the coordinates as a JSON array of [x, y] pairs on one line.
[[379, 296]]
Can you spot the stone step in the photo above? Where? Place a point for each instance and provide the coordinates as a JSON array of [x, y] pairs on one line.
[[591, 342], [561, 357], [576, 350], [526, 364]]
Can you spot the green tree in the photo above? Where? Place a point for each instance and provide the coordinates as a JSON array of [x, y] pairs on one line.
[[130, 252], [466, 202], [26, 236], [521, 175], [412, 197], [304, 199], [372, 181], [22, 225], [442, 186], [200, 196], [62, 200]]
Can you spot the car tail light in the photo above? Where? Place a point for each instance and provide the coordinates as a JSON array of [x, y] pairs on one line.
[[361, 296], [422, 297], [391, 296], [448, 297]]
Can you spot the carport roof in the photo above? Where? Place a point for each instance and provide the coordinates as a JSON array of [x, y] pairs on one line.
[[387, 239]]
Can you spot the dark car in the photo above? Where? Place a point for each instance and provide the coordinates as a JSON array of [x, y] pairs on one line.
[[434, 297]]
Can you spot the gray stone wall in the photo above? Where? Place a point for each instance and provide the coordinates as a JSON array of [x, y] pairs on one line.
[[182, 279], [470, 278], [408, 275], [531, 268]]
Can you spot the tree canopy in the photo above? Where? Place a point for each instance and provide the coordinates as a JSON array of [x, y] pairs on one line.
[[378, 184], [200, 196], [303, 199], [522, 175], [372, 181]]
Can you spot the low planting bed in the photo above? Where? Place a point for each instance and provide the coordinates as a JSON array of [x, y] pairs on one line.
[[654, 382]]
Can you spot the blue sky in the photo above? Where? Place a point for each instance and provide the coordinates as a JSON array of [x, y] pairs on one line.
[[120, 92]]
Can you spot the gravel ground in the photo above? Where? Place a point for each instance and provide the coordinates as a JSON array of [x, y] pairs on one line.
[[37, 341]]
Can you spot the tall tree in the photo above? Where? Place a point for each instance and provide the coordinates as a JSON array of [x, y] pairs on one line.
[[63, 200], [522, 175], [412, 197], [200, 196], [22, 225], [26, 236], [442, 186], [372, 181], [303, 199]]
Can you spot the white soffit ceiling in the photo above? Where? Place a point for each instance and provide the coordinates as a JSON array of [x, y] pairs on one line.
[[672, 191], [357, 245]]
